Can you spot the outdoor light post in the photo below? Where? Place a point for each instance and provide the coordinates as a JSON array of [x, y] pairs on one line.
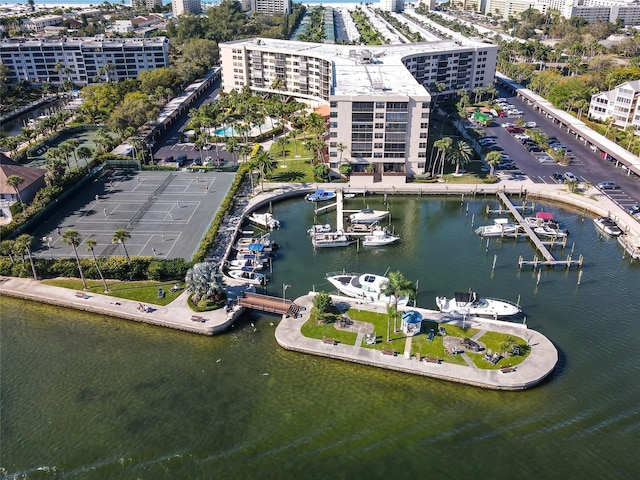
[[284, 292]]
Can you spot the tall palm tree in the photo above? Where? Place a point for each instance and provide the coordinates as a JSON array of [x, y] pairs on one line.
[[442, 146], [119, 236], [460, 154], [72, 237], [341, 147], [392, 314], [6, 249], [294, 134], [15, 181], [91, 244], [282, 143], [85, 154], [266, 164], [493, 158], [398, 286], [22, 245], [72, 145]]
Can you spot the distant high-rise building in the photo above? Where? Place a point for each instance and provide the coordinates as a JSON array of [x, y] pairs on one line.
[[182, 7], [392, 5], [149, 4], [271, 6]]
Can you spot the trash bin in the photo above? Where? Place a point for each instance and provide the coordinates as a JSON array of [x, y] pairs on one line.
[[160, 293]]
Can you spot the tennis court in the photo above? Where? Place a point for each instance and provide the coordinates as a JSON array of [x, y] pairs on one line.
[[166, 214]]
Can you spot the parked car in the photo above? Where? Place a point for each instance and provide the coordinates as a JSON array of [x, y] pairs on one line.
[[180, 159], [168, 159], [570, 177], [495, 148], [558, 177], [634, 210], [608, 185], [197, 161], [207, 161], [531, 125], [546, 159], [533, 148]]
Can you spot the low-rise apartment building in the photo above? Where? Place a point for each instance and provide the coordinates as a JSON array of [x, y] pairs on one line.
[[81, 60], [620, 104]]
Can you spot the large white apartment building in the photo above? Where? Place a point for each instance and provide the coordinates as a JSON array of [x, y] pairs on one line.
[[392, 5], [378, 96], [270, 6], [80, 59], [184, 7], [38, 24], [591, 10], [621, 104]]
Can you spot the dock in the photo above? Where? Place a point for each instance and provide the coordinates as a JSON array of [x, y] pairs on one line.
[[549, 259], [267, 303]]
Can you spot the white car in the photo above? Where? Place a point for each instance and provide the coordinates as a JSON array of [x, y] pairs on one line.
[[507, 124], [530, 125], [546, 159]]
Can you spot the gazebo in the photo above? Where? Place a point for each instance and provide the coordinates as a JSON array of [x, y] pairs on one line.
[[411, 323]]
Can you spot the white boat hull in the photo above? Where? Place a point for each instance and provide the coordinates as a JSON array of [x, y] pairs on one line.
[[365, 287], [478, 307]]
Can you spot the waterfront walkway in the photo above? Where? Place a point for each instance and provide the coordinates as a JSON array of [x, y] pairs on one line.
[[534, 369]]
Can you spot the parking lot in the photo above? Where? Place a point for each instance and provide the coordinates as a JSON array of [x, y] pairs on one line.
[[540, 167], [166, 214]]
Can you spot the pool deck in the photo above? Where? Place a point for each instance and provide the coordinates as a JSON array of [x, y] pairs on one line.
[[538, 365]]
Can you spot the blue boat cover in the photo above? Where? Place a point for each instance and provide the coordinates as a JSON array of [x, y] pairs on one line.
[[411, 316], [256, 247]]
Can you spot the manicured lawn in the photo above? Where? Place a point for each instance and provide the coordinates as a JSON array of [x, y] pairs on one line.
[[143, 292], [420, 344], [298, 170], [312, 329], [492, 341], [380, 325]]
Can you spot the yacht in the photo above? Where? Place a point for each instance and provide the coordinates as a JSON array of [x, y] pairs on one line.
[[608, 226], [366, 287], [265, 220], [501, 227], [248, 275], [320, 196], [256, 245], [379, 238], [331, 239], [368, 215], [239, 264], [541, 218], [469, 303]]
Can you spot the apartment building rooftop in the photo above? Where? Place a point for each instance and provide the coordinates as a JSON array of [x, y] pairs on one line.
[[364, 70]]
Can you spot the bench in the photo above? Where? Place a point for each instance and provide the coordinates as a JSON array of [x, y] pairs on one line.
[[431, 359], [389, 351], [81, 295], [196, 318], [507, 369], [329, 341]]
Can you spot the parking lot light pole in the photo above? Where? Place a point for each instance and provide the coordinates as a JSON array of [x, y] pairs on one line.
[[284, 292]]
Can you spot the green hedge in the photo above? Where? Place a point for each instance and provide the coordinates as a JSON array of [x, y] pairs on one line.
[[207, 242], [114, 268]]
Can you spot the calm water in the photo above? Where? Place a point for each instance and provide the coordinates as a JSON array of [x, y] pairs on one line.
[[85, 396]]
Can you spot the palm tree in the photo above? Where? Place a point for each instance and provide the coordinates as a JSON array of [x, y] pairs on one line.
[[72, 237], [91, 244], [119, 236], [15, 181], [6, 249], [460, 154], [341, 147], [85, 154], [266, 164], [73, 144], [282, 143], [392, 314], [442, 146], [398, 286], [294, 134], [493, 158], [23, 244]]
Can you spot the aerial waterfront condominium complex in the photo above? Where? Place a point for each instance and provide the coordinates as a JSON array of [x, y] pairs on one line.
[[379, 97], [81, 60]]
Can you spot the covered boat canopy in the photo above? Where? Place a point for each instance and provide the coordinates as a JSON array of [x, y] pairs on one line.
[[544, 216], [256, 247], [411, 316], [465, 297]]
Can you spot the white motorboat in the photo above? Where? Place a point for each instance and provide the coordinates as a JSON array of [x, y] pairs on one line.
[[366, 287], [368, 215], [320, 196], [314, 230], [549, 231], [501, 227], [469, 303], [265, 220], [608, 226], [332, 239], [541, 218], [255, 245], [239, 264], [248, 276], [379, 238]]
